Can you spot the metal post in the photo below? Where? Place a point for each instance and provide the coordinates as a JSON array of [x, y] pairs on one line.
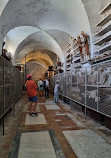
[[85, 90], [62, 86], [77, 84], [71, 90], [4, 93], [25, 69], [13, 83], [97, 86], [13, 110], [3, 125]]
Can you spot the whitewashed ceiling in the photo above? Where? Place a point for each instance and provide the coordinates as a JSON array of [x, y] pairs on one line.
[[33, 25]]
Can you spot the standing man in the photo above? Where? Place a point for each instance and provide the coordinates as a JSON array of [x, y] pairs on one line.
[[56, 92], [40, 85], [46, 87], [32, 94]]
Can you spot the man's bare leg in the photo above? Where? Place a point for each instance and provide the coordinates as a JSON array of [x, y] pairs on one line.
[[30, 107], [34, 106]]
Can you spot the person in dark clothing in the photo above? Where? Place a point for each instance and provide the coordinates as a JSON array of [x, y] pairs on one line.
[[46, 88]]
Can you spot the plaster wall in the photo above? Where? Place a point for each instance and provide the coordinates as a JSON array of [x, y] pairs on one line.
[[2, 5]]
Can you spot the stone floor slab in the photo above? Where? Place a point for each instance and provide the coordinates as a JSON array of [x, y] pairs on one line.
[[72, 118], [58, 120], [33, 120], [36, 145], [52, 107], [50, 102], [75, 120], [61, 114], [41, 103], [88, 144]]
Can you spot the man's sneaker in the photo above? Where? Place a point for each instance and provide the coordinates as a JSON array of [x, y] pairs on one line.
[[35, 113], [30, 114]]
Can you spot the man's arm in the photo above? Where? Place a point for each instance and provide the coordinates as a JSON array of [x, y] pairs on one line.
[[35, 86]]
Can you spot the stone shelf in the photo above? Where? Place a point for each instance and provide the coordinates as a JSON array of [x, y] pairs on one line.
[[107, 7], [98, 60], [99, 86], [68, 60], [68, 64], [68, 50], [91, 85], [84, 62], [104, 48], [105, 20], [104, 29], [102, 86], [77, 54], [78, 65], [67, 56], [68, 70], [68, 44], [75, 44], [105, 38], [76, 59], [75, 49]]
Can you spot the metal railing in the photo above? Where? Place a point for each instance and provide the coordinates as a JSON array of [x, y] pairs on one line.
[[10, 86], [90, 87]]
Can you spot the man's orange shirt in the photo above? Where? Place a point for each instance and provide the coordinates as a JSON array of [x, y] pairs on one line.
[[31, 88]]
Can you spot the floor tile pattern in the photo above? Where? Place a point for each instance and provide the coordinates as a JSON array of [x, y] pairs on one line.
[[52, 107], [33, 120], [88, 144], [36, 145], [69, 137]]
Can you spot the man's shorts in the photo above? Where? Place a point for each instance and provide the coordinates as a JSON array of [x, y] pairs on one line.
[[33, 99]]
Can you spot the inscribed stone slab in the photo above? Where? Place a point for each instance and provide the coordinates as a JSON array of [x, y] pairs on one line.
[[50, 102], [88, 144], [52, 107], [36, 145], [73, 119], [33, 120]]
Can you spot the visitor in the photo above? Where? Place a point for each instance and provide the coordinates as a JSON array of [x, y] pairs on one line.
[[56, 92], [32, 94], [46, 88], [40, 85]]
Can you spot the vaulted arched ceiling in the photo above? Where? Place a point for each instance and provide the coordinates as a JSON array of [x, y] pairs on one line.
[[19, 34], [45, 15], [46, 25], [42, 58], [36, 69], [70, 16], [34, 63], [39, 40]]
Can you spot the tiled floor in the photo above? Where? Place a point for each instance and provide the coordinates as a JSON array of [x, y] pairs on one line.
[[52, 107], [86, 143], [36, 145], [34, 120], [58, 132]]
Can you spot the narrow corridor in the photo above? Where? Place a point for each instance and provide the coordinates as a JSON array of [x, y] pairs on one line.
[[58, 132], [60, 47]]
